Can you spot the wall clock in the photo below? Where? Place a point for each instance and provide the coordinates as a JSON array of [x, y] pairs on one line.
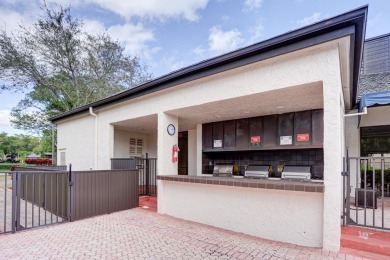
[[171, 129]]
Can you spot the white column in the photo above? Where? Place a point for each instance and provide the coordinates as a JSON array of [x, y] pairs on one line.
[[111, 139], [165, 142], [192, 152], [332, 164], [199, 165], [353, 145]]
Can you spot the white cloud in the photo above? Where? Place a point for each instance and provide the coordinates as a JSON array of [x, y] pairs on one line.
[[150, 8], [172, 64], [252, 4], [220, 42], [223, 41], [10, 19], [5, 117], [256, 32], [134, 37], [315, 17]]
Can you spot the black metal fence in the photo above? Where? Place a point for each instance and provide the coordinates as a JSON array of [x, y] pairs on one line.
[[42, 197], [369, 203], [147, 172]]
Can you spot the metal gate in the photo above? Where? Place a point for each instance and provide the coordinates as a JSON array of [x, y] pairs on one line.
[[41, 197], [366, 192], [33, 199], [147, 172]]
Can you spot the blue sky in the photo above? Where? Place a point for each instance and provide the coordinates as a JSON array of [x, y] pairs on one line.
[[171, 34]]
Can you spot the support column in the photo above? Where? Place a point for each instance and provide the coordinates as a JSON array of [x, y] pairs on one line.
[[165, 142], [111, 139], [332, 164], [199, 165]]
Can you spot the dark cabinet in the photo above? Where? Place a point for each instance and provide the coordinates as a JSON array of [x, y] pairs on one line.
[[218, 135], [302, 128], [242, 133], [286, 129], [318, 127], [229, 134], [255, 131], [270, 131], [207, 136]]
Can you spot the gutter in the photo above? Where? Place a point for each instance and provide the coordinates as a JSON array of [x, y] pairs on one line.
[[96, 135]]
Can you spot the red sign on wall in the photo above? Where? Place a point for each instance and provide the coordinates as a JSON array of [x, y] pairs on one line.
[[303, 137], [255, 139]]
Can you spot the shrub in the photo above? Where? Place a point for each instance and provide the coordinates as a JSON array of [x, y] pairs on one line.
[[5, 167], [38, 161]]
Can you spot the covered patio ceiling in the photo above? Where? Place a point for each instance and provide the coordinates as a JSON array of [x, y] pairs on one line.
[[291, 99]]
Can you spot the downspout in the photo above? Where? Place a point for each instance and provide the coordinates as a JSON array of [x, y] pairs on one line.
[[53, 147], [358, 114], [96, 136]]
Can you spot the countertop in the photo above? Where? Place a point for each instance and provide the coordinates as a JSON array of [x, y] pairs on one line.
[[302, 186]]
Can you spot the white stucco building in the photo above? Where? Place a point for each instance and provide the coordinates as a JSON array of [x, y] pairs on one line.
[[311, 73]]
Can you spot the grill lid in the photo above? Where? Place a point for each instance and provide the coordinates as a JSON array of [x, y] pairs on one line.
[[257, 171], [223, 169], [296, 172]]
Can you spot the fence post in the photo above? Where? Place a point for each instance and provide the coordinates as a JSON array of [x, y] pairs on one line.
[[147, 175], [348, 202], [14, 209], [70, 183]]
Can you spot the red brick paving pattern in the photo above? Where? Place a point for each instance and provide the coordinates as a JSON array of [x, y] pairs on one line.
[[140, 234]]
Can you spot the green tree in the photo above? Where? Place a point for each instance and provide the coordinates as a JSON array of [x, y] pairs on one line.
[[63, 67], [22, 145]]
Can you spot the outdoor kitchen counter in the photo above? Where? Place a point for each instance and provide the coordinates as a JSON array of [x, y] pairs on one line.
[[248, 183]]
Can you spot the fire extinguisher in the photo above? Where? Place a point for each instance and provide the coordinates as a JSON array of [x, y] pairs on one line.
[[175, 153]]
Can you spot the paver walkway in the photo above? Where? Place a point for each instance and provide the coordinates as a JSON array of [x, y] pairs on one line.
[[141, 234]]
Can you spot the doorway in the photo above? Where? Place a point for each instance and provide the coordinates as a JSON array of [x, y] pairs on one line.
[[183, 153]]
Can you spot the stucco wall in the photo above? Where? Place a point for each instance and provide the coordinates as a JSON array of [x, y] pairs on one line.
[[122, 143], [77, 139], [152, 145], [293, 217]]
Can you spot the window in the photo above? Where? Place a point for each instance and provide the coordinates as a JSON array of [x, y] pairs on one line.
[[136, 145], [62, 158]]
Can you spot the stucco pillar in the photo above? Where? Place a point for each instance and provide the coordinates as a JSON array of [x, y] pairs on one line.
[[110, 144], [332, 164], [352, 142], [199, 165], [165, 142]]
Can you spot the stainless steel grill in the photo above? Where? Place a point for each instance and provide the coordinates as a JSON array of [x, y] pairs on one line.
[[257, 171], [296, 173], [223, 169]]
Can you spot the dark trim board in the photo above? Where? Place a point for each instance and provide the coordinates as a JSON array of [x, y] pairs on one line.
[[351, 24]]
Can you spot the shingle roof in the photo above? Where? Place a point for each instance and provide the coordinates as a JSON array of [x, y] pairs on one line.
[[373, 83]]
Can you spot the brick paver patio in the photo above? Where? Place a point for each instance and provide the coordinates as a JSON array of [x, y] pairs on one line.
[[140, 234]]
